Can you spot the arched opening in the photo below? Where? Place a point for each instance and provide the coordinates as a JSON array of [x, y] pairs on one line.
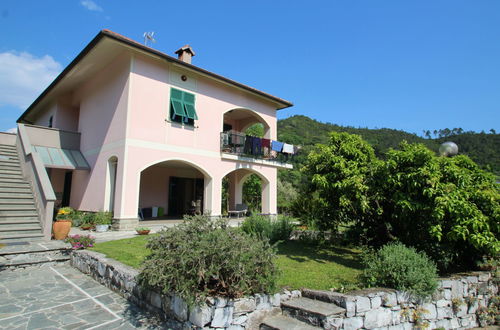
[[245, 187], [111, 168], [238, 120], [172, 189]]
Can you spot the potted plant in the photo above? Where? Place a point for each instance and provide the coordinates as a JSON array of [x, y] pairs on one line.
[[87, 221], [62, 225], [142, 230], [102, 221]]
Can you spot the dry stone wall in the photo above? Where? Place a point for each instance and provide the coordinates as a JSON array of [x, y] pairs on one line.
[[234, 314], [458, 303]]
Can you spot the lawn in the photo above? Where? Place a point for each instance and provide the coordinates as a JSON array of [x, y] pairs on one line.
[[302, 265]]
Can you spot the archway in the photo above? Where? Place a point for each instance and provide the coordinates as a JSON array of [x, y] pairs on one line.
[[172, 189], [248, 187]]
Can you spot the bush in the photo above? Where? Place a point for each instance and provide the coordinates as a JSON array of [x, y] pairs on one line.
[[266, 228], [102, 218], [399, 267], [203, 257]]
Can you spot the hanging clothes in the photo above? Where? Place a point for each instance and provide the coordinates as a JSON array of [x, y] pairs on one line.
[[266, 147], [248, 145], [277, 146], [288, 148], [257, 146]]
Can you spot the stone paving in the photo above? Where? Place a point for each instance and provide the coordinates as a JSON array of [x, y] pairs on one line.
[[60, 297]]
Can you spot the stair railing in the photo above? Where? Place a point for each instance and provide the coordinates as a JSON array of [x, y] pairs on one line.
[[34, 171]]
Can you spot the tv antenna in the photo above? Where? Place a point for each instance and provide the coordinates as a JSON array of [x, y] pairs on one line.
[[148, 38]]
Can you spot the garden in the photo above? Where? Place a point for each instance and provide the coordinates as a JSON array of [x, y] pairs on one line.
[[397, 222]]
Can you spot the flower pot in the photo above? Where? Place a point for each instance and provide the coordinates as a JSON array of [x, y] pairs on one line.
[[61, 229], [101, 228], [86, 227], [143, 232]]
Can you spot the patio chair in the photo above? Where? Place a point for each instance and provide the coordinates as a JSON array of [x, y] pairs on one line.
[[240, 209]]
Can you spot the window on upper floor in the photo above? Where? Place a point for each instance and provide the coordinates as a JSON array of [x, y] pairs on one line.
[[182, 107]]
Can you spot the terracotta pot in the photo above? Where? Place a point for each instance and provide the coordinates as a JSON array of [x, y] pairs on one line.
[[86, 227], [61, 229], [143, 232]]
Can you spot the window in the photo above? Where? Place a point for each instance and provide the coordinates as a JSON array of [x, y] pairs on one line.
[[182, 109]]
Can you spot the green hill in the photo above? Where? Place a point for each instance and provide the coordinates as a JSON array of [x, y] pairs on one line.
[[306, 132]]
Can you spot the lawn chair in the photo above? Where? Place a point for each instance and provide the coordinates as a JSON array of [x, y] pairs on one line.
[[240, 209]]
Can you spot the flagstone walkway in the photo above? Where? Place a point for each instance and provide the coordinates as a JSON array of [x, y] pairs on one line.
[[60, 297]]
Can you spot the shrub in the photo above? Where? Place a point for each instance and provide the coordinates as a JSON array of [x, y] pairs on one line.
[[267, 228], [80, 241], [399, 267], [203, 257], [102, 218], [65, 213]]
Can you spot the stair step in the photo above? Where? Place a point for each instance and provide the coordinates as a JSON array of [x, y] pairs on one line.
[[23, 261], [314, 312], [25, 195], [7, 161], [26, 189], [21, 184], [15, 203], [4, 228], [9, 175], [13, 170], [18, 220], [12, 180], [19, 235], [4, 150], [5, 214], [281, 322]]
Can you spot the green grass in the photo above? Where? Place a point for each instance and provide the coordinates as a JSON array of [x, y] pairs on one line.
[[318, 267], [129, 251], [302, 265]]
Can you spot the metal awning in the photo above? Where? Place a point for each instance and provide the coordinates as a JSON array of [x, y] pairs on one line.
[[62, 158]]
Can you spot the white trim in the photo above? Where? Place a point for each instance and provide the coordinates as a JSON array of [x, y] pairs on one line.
[[266, 162]]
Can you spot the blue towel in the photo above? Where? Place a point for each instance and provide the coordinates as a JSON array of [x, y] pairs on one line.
[[277, 146]]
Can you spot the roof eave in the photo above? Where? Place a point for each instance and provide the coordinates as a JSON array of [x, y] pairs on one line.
[[106, 33]]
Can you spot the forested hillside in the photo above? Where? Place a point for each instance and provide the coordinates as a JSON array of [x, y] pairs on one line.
[[483, 148]]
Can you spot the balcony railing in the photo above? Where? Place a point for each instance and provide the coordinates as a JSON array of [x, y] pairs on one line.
[[237, 143]]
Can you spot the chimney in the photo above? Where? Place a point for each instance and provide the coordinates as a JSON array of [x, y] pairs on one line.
[[185, 54]]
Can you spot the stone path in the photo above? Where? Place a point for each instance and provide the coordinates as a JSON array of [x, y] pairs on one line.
[[60, 297], [155, 226]]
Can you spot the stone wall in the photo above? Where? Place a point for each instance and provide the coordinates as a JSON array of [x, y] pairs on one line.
[[217, 312], [454, 305]]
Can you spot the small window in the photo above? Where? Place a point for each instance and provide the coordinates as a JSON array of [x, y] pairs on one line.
[[182, 107]]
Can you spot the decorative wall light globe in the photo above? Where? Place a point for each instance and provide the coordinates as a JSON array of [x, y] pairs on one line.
[[448, 149]]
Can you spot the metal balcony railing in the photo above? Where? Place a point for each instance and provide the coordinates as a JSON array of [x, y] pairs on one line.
[[237, 143]]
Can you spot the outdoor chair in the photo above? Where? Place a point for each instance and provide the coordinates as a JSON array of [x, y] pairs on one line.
[[240, 209]]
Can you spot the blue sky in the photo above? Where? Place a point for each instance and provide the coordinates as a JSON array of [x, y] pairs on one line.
[[410, 65]]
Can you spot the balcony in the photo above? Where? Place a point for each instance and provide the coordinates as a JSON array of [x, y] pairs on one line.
[[238, 146]]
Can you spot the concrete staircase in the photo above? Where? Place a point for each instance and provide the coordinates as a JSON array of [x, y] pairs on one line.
[[29, 254], [305, 313], [18, 215]]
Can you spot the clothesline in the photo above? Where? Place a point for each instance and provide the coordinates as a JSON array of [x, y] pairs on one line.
[[237, 142]]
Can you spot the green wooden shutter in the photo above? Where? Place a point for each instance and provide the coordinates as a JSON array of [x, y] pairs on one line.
[[176, 103], [188, 99]]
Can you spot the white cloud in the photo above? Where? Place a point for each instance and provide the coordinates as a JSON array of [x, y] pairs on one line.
[[91, 5], [24, 76], [12, 130]]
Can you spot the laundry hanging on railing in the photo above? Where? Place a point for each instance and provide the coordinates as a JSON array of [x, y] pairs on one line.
[[238, 143]]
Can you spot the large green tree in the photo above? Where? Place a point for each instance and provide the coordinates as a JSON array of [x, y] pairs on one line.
[[340, 172]]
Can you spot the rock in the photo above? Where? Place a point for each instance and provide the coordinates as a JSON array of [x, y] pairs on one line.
[[235, 327], [389, 299], [454, 323], [472, 279], [223, 317], [403, 297], [396, 317], [352, 323], [431, 311], [296, 294], [244, 305], [155, 299], [446, 283], [447, 294], [276, 300], [457, 289], [335, 323], [444, 313], [262, 302], [376, 302], [363, 304], [350, 308], [201, 315], [220, 302], [443, 303], [445, 324], [483, 277], [179, 307], [240, 320], [377, 318], [461, 310]]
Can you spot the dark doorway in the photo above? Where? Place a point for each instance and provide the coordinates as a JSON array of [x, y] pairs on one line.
[[185, 196], [68, 176]]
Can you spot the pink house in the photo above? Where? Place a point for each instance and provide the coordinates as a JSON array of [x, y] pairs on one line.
[[126, 127]]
